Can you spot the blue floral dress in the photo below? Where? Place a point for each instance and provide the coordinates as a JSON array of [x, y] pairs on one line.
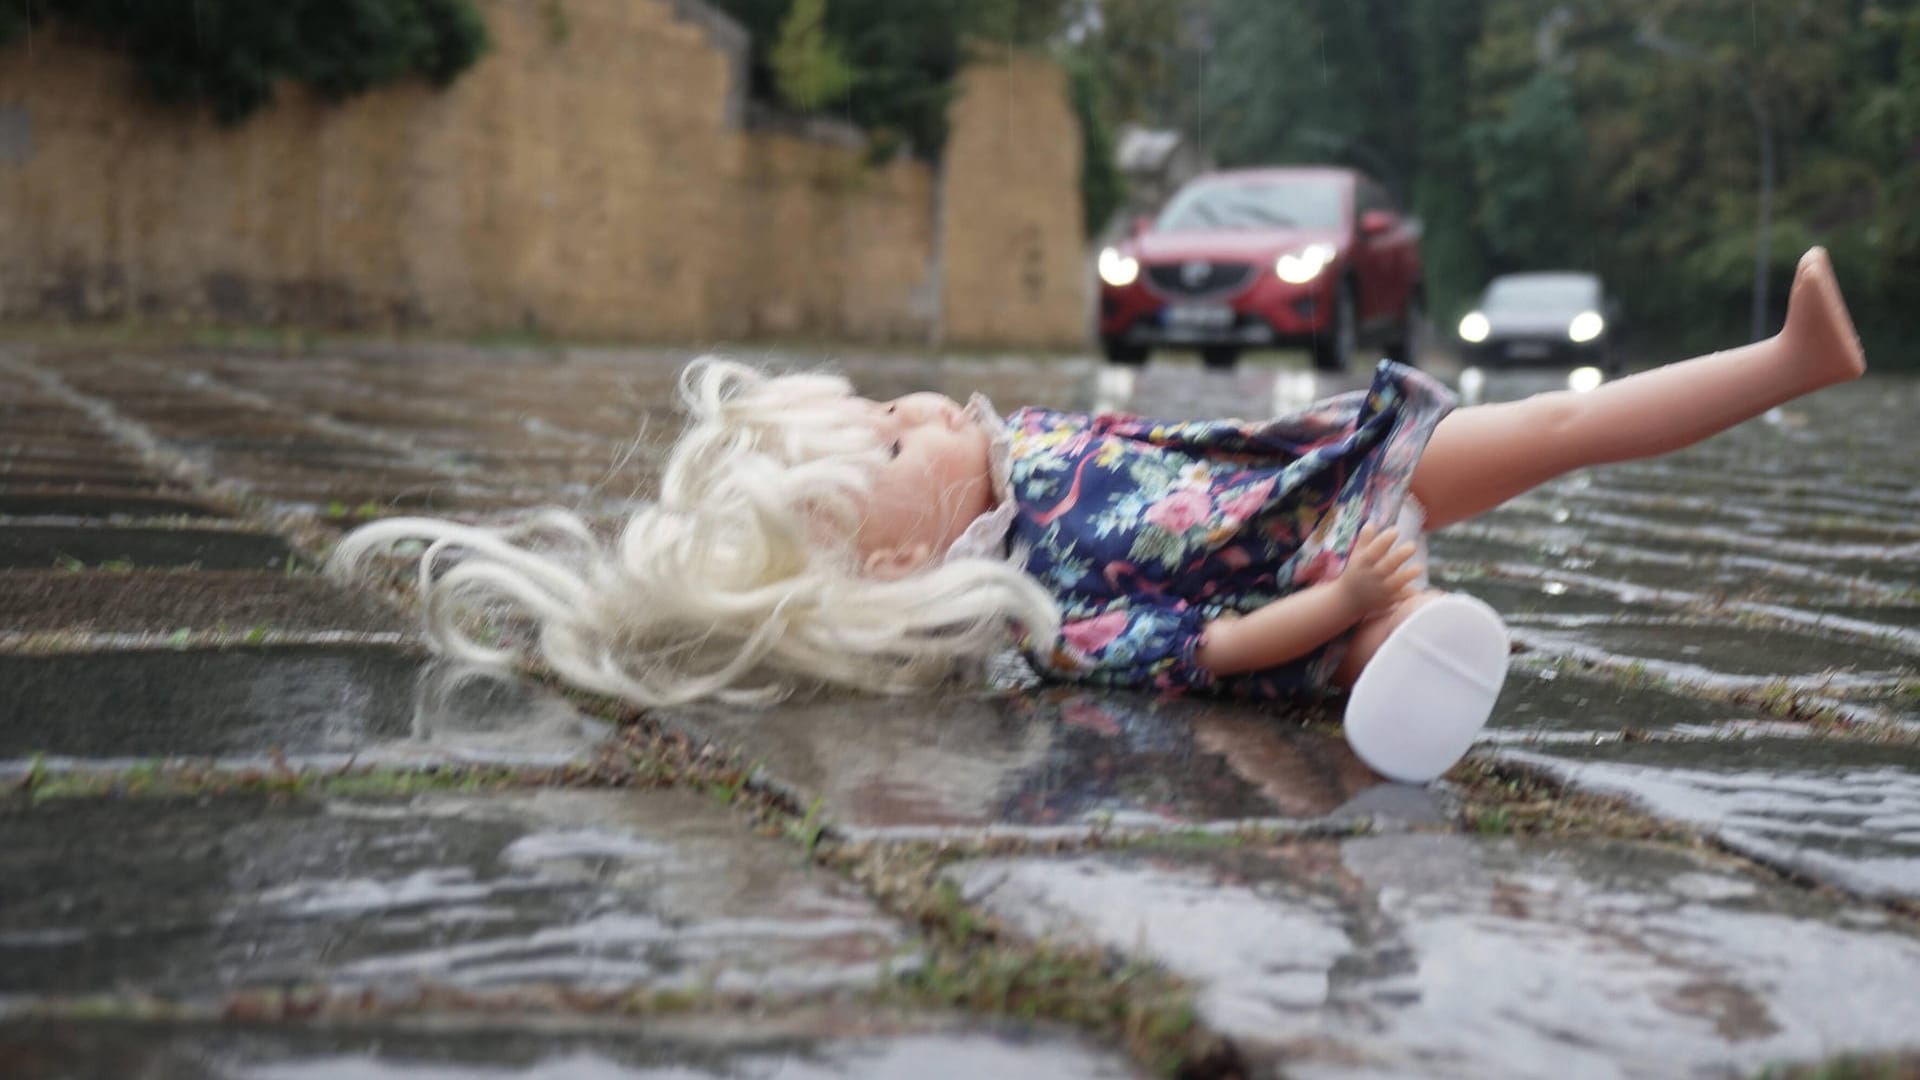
[[1146, 531]]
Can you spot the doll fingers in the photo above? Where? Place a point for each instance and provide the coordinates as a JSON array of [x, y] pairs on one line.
[[1377, 543], [1406, 580]]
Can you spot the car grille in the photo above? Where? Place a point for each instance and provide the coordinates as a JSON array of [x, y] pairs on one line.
[[1199, 278]]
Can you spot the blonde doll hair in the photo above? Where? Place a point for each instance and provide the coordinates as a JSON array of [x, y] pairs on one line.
[[739, 583]]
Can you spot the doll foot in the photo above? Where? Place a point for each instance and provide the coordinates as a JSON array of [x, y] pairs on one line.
[[1819, 330], [1428, 691]]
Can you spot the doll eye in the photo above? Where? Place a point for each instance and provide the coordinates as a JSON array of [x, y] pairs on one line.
[[893, 451]]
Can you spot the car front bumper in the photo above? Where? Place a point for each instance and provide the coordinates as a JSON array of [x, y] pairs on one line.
[[1265, 313], [1534, 351]]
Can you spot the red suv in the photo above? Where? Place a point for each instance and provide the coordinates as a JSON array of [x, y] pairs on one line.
[[1314, 258]]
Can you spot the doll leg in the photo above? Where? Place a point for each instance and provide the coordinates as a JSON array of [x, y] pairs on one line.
[[1483, 455]]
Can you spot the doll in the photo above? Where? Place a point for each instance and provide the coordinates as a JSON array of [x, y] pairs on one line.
[[803, 535]]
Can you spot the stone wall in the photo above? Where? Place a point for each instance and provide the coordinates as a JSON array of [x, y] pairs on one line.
[[1013, 253], [593, 177]]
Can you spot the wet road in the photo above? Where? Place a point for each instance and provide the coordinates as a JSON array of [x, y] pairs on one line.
[[1728, 639]]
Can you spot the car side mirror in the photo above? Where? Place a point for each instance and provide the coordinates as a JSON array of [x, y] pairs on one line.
[[1375, 222], [1140, 225]]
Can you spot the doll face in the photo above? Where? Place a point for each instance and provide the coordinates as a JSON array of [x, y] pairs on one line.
[[933, 482]]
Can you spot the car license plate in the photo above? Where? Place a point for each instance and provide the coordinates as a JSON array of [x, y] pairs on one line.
[[1198, 318], [1528, 350]]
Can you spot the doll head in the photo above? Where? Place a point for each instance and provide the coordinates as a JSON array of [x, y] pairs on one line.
[[797, 538]]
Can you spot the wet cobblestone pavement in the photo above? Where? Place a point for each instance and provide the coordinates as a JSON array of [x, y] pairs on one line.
[[251, 829]]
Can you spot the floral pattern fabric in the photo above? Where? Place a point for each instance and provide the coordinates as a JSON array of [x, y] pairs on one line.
[[1146, 531]]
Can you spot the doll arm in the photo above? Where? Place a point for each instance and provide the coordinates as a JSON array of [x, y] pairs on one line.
[[1379, 573]]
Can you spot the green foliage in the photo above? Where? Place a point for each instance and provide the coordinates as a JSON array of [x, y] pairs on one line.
[[228, 54], [901, 59], [1624, 138], [1529, 157], [1147, 60], [808, 69], [1102, 189]]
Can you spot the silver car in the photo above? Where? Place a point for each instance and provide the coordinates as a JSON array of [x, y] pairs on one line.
[[1553, 319]]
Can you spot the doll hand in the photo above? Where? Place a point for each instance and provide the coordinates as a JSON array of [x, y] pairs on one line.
[[1380, 571]]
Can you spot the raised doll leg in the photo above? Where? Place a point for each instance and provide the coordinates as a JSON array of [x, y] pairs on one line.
[[1483, 455]]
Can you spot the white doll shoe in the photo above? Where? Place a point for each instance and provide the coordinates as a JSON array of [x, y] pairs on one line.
[[1419, 702]]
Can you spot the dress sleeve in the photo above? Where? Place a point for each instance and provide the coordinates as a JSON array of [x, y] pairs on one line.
[[1138, 642]]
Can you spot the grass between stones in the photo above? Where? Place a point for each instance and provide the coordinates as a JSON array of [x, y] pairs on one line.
[[1505, 798], [975, 963], [1777, 698], [1900, 1066]]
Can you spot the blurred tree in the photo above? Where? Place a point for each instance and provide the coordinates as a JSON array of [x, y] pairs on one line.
[[807, 66], [1102, 188], [227, 54], [902, 58], [1135, 49], [1445, 188]]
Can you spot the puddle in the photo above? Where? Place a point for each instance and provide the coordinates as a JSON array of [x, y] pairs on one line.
[[1434, 955], [1840, 812], [589, 890], [1050, 756], [39, 547]]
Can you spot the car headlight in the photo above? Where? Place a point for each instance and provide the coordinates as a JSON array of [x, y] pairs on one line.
[[1586, 326], [1475, 328], [1300, 267], [1117, 269]]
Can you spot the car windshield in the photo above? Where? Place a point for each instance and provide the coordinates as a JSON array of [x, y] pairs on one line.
[[1542, 293], [1311, 203]]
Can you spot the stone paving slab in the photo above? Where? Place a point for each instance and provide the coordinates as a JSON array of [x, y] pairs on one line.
[[165, 601], [1716, 653], [1544, 704], [46, 501], [596, 891], [1451, 956], [40, 547], [122, 474], [1843, 813], [810, 1047], [1042, 759], [322, 706], [206, 702]]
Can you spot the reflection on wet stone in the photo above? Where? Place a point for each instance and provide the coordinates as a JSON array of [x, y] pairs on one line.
[[1707, 650], [1436, 955], [294, 701], [205, 702], [1051, 756], [475, 713], [1847, 814], [600, 891], [809, 1047], [1540, 703]]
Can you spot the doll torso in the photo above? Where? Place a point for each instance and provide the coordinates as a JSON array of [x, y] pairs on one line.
[[1146, 531]]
